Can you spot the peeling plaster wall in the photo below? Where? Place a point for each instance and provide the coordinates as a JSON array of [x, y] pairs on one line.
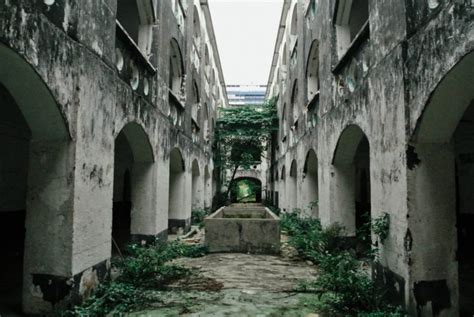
[[382, 87], [90, 69]]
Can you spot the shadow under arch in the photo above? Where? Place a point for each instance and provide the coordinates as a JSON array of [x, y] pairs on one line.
[[197, 190], [179, 213], [310, 188], [134, 182], [39, 155], [350, 188], [440, 179]]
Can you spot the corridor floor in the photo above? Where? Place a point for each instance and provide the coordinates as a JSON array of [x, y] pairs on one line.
[[237, 285]]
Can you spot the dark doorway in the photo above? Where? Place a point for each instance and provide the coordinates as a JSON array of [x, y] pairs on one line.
[[14, 142], [122, 206], [464, 157]]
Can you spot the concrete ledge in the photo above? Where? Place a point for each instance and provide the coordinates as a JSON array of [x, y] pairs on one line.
[[243, 230]]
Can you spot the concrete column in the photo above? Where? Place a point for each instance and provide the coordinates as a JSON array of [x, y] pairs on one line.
[[207, 191], [48, 241], [342, 198], [432, 240], [144, 216], [309, 194], [197, 192], [162, 189]]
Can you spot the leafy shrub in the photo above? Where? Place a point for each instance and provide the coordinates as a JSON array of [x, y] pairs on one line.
[[197, 217], [143, 270], [309, 238], [111, 298], [344, 286]]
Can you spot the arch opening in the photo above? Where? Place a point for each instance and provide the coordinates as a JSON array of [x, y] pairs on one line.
[[351, 185], [441, 172], [312, 71], [197, 187], [291, 188], [133, 187], [137, 18], [310, 189], [177, 218], [207, 188], [351, 17], [246, 190], [176, 72], [35, 161], [282, 189]]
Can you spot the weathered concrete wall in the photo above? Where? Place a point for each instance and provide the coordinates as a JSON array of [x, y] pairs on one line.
[[382, 88], [79, 81]]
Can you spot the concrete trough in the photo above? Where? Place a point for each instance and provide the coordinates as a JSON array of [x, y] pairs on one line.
[[243, 229]]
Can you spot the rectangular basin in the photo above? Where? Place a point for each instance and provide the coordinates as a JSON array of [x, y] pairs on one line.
[[254, 230]]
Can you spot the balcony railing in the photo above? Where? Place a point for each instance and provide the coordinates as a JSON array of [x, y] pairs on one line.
[[132, 65]]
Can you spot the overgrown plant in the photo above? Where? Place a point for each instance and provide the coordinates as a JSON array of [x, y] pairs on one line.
[[197, 217], [381, 226], [343, 286], [143, 270], [242, 135]]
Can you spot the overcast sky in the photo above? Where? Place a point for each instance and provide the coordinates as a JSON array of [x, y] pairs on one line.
[[246, 32]]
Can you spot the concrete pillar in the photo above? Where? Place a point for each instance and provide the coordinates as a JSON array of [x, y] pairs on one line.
[[197, 192], [162, 189], [143, 215], [432, 237], [177, 200], [48, 241], [342, 198]]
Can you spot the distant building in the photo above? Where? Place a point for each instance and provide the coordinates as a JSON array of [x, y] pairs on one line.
[[246, 94]]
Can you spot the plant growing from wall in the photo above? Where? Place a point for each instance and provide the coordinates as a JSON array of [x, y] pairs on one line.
[[242, 136], [381, 226]]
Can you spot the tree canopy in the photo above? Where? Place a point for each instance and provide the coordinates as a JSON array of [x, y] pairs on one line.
[[243, 133]]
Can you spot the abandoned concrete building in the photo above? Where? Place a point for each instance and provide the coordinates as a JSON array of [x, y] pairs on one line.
[[107, 118], [107, 114], [375, 101]]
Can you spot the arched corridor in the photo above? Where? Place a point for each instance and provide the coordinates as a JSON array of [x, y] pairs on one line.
[[341, 130]]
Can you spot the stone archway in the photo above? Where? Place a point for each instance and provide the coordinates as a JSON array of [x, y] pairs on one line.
[[36, 188], [350, 189], [440, 196], [292, 187], [134, 216], [177, 215], [197, 190], [246, 190], [207, 188], [310, 188]]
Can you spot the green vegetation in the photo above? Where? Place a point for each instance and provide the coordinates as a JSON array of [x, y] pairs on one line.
[[242, 136], [144, 269], [197, 217], [343, 286], [245, 190]]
